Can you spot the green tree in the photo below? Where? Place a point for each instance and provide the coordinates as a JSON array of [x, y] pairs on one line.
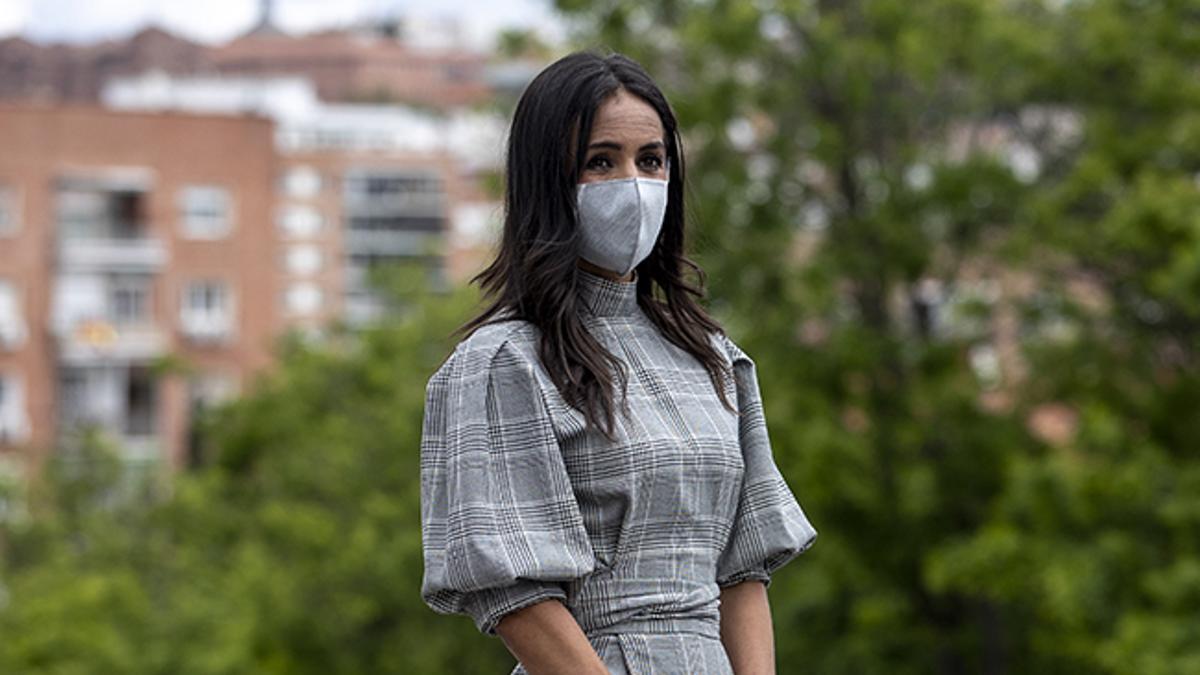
[[859, 170], [1097, 542], [294, 548], [521, 43]]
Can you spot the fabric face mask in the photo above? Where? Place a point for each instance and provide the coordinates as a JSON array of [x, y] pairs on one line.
[[620, 220]]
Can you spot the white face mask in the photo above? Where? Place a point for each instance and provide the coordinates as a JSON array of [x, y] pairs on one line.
[[620, 220]]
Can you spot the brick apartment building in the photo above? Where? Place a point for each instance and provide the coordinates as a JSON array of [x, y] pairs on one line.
[[341, 214], [76, 73], [124, 238], [358, 186], [127, 237], [364, 64], [226, 195], [358, 66]]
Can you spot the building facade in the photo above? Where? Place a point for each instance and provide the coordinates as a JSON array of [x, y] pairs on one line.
[[151, 258], [129, 240], [360, 184]]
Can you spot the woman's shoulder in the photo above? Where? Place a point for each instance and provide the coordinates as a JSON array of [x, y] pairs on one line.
[[491, 336], [476, 352], [729, 347]]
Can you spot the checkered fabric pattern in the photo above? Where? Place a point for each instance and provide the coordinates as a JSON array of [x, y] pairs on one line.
[[520, 503]]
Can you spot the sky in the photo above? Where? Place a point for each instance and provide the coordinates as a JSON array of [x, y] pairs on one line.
[[215, 21]]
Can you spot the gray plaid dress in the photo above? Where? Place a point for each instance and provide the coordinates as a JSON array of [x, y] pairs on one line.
[[519, 503]]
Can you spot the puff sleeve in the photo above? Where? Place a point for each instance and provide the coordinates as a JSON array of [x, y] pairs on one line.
[[500, 525], [770, 527]]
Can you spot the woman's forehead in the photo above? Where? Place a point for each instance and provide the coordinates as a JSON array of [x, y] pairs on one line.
[[625, 116]]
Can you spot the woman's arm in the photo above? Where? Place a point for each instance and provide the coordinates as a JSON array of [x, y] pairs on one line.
[[547, 640], [746, 629]]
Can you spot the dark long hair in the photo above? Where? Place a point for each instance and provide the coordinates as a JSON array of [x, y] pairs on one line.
[[534, 276]]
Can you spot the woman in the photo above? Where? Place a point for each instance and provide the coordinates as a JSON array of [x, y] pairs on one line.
[[591, 541]]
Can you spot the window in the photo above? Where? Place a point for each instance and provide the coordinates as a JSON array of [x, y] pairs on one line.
[[206, 311], [303, 298], [205, 211], [395, 223], [303, 259], [73, 397], [206, 297], [91, 212], [302, 182], [206, 390], [12, 323], [141, 402], [300, 221], [10, 212], [129, 300], [370, 185], [14, 424]]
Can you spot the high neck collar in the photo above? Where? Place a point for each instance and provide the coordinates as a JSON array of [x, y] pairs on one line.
[[606, 297]]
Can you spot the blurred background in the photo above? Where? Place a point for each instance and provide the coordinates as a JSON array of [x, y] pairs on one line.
[[961, 238]]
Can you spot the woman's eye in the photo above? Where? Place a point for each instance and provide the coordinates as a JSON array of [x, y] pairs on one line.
[[653, 161], [597, 163]]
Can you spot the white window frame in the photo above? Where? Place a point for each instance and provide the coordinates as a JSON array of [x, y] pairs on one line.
[[201, 220], [297, 289], [215, 320], [302, 182], [297, 259], [292, 214], [10, 210], [14, 418], [13, 330], [141, 286]]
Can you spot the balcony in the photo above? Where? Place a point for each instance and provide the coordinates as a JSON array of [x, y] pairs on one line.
[[415, 204], [392, 242], [122, 401], [136, 253], [97, 340]]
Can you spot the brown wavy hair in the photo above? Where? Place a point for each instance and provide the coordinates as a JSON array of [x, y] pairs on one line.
[[534, 276]]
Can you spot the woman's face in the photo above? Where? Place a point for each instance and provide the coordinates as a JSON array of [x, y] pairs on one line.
[[626, 141]]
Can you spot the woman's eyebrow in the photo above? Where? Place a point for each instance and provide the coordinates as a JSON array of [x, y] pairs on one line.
[[617, 146]]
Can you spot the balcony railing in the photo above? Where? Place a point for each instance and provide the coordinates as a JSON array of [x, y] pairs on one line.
[[396, 203], [384, 242], [94, 340], [109, 253]]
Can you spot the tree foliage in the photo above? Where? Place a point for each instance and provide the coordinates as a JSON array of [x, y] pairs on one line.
[[294, 549], [890, 196]]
